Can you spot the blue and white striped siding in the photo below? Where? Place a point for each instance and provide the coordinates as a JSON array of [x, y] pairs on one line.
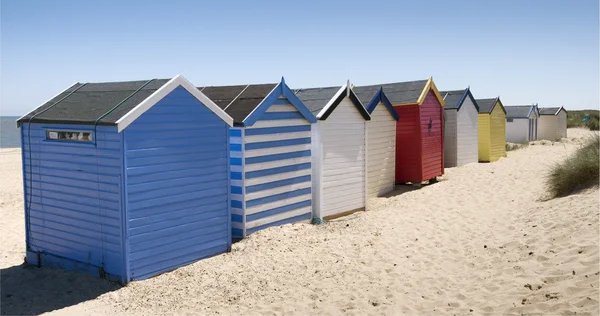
[[177, 185], [237, 182], [277, 168], [74, 189]]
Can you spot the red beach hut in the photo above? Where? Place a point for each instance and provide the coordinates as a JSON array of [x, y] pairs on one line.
[[419, 130]]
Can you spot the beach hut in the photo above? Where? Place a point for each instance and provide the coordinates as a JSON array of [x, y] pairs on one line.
[[338, 150], [552, 124], [381, 141], [492, 129], [521, 123], [270, 155], [461, 145], [126, 180], [419, 129]]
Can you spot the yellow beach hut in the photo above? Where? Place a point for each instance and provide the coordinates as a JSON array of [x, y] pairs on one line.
[[492, 129]]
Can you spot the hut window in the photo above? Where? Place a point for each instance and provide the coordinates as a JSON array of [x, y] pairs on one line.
[[509, 120], [69, 135]]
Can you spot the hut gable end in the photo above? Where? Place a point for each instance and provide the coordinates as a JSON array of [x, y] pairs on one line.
[[177, 186]]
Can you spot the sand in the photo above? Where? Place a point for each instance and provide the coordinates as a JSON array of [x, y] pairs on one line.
[[483, 241]]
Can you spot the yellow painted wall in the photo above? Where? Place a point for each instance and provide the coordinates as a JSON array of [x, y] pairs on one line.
[[498, 134], [483, 127]]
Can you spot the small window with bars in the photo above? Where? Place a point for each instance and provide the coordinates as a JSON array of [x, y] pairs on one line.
[[76, 136]]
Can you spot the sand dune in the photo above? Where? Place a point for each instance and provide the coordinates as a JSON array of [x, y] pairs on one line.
[[482, 241]]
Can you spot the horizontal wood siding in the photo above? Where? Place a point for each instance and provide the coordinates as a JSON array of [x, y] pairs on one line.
[[277, 168], [483, 122], [547, 127], [497, 134], [432, 138], [408, 144], [177, 166], [450, 138], [381, 152], [561, 125], [466, 131], [236, 161], [73, 190], [517, 131], [342, 137]]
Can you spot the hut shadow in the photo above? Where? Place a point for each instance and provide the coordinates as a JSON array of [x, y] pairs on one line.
[[402, 188], [29, 290]]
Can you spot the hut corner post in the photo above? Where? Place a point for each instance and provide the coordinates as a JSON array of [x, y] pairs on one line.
[[317, 163]]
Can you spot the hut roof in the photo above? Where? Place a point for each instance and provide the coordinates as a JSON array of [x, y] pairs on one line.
[[317, 99], [401, 92], [551, 111], [238, 101], [366, 93], [518, 111], [84, 103], [452, 98], [486, 105], [107, 103], [370, 96]]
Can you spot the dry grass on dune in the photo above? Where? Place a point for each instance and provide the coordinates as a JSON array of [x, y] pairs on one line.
[[577, 172]]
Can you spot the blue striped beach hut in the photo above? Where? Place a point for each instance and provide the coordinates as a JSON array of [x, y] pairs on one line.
[[126, 180], [270, 155]]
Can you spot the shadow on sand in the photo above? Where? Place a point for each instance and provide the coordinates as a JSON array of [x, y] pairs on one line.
[[28, 290], [404, 188]]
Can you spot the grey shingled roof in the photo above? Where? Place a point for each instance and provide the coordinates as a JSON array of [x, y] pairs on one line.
[[315, 99], [238, 101], [85, 103], [451, 98], [549, 111], [366, 93], [518, 111], [486, 105], [401, 92]]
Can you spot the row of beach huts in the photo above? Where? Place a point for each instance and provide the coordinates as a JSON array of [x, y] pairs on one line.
[[126, 180]]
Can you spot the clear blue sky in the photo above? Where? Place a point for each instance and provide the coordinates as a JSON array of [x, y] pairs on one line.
[[525, 51]]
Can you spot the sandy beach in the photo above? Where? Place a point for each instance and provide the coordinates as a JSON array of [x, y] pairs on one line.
[[484, 240]]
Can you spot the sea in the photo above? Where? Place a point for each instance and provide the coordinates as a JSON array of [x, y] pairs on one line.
[[9, 133]]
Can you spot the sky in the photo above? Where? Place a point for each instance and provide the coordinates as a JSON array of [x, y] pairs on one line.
[[535, 51]]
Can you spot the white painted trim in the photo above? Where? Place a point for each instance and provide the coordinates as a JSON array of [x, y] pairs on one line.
[[71, 86], [237, 183], [243, 152], [235, 154], [278, 217], [159, 94], [238, 225], [317, 166], [335, 96]]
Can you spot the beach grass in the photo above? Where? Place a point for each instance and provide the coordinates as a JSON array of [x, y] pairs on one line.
[[578, 172]]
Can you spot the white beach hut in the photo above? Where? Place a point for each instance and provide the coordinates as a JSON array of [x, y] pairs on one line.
[[338, 150], [381, 140], [460, 128], [552, 124], [521, 123]]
